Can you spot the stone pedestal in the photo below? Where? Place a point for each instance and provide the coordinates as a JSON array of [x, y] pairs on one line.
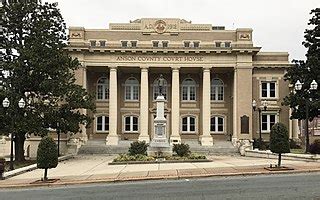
[[159, 146]]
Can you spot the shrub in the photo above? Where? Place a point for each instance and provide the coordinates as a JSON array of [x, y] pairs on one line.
[[47, 155], [138, 147], [264, 144], [194, 156], [138, 157], [279, 140], [315, 147], [294, 144], [182, 150]]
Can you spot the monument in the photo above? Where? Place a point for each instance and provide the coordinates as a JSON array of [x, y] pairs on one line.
[[159, 145]]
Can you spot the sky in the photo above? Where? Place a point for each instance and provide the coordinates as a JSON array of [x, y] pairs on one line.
[[278, 25]]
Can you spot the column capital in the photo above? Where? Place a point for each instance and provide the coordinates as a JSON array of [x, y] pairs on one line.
[[175, 68], [206, 68], [144, 68], [112, 67]]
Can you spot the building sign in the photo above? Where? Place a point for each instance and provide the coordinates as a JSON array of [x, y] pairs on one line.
[[159, 58]]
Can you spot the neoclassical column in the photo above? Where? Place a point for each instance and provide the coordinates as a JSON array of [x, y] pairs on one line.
[[113, 138], [290, 124], [206, 138], [295, 130], [144, 105], [235, 95], [84, 136], [175, 107]]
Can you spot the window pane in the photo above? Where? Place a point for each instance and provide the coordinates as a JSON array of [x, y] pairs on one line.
[[93, 43], [192, 121], [220, 93], [128, 93], [186, 44], [134, 43], [218, 44], [192, 128], [272, 89], [192, 93], [164, 44], [106, 91], [106, 123], [272, 120], [227, 44], [135, 92], [184, 127], [196, 44], [99, 123], [124, 43], [264, 122], [184, 93], [100, 92], [264, 90], [220, 124], [214, 93], [155, 43], [185, 124], [102, 43], [212, 124]]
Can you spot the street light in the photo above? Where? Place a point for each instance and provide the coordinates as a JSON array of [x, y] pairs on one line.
[[6, 104], [254, 106], [313, 87]]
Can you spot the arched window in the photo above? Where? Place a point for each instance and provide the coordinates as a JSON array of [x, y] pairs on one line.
[[131, 124], [217, 89], [217, 124], [103, 88], [132, 89], [188, 124], [188, 90], [102, 123], [156, 89]]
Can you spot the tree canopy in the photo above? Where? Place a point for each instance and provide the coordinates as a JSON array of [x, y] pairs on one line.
[[35, 66]]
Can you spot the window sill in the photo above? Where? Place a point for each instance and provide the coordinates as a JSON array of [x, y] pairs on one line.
[[188, 133], [131, 132], [217, 133], [133, 101], [189, 101], [101, 132], [216, 101]]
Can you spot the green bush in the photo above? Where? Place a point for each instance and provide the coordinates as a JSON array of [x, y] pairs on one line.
[[315, 147], [182, 150], [294, 144], [138, 147], [279, 140], [47, 155]]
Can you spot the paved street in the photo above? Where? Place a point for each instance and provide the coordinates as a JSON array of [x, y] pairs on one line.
[[298, 186]]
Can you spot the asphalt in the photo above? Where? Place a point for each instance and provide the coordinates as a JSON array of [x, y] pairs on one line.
[[84, 169]]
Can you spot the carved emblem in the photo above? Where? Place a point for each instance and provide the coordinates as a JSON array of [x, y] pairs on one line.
[[76, 35], [160, 26], [244, 36]]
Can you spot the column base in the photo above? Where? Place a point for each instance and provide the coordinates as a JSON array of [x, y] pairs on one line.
[[206, 140], [144, 138], [112, 140], [175, 139]]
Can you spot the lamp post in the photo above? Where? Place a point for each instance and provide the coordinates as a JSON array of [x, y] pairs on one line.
[[6, 104], [313, 87], [254, 106]]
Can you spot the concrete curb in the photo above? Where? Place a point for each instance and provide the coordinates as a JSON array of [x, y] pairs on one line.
[[142, 178], [157, 162], [287, 156], [22, 170]]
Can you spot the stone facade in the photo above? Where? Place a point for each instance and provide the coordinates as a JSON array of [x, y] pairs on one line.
[[212, 76]]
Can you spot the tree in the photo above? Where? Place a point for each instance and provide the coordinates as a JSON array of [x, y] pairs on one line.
[[39, 70], [279, 140], [306, 71], [47, 155]]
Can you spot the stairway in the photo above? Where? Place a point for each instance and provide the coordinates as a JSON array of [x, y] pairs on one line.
[[219, 147]]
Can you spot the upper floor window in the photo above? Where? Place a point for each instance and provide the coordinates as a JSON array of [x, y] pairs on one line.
[[186, 44], [267, 121], [164, 44], [156, 89], [93, 43], [268, 89], [227, 44], [196, 44], [217, 124], [189, 124], [102, 43], [155, 43], [217, 90], [218, 44], [124, 43], [188, 90], [133, 43], [132, 89], [102, 123], [103, 88], [131, 124]]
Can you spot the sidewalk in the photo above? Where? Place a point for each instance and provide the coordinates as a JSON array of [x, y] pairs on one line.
[[95, 169]]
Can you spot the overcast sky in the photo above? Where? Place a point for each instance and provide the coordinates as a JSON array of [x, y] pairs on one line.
[[278, 25]]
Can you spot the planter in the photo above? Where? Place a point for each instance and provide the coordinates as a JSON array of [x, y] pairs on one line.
[[156, 162]]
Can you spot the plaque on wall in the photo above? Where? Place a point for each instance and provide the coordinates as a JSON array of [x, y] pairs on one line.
[[244, 124]]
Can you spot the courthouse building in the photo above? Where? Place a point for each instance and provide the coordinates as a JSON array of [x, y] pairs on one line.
[[212, 75]]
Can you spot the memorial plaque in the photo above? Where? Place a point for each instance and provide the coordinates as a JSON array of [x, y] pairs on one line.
[[244, 124]]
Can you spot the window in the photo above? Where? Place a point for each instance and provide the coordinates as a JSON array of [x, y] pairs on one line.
[[189, 90], [102, 43], [103, 88], [156, 89], [186, 44], [268, 120], [217, 124], [133, 43], [131, 89], [155, 43], [124, 43], [164, 44], [102, 123], [93, 43], [196, 44], [217, 90], [188, 124], [131, 123], [268, 89], [218, 44], [227, 44]]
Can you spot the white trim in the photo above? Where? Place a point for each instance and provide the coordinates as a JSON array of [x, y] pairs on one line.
[[103, 123], [268, 120], [216, 124], [131, 124], [188, 124]]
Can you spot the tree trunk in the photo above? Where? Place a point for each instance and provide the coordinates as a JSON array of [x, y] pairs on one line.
[[19, 146], [279, 160], [45, 178]]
